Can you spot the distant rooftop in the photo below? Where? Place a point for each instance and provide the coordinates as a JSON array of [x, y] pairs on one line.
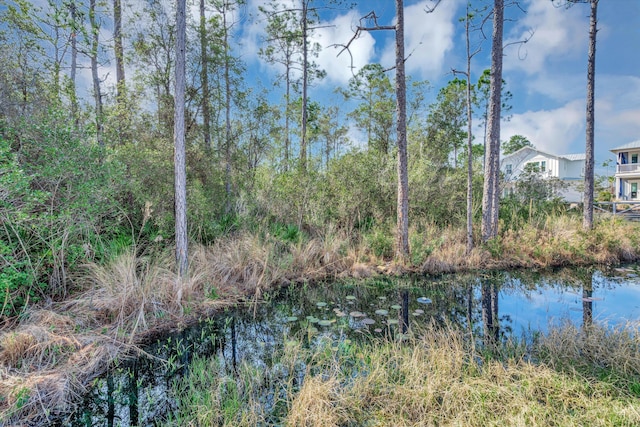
[[634, 144], [573, 157]]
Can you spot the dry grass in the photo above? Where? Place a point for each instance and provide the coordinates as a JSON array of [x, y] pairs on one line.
[[45, 364], [554, 241], [438, 380], [596, 352], [51, 355]]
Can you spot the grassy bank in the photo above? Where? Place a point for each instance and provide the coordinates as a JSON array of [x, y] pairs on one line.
[[51, 352], [435, 377]]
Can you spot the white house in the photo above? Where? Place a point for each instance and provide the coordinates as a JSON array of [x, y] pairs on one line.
[[567, 167], [627, 171]]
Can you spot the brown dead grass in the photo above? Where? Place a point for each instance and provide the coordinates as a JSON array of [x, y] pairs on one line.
[[52, 354], [438, 379]]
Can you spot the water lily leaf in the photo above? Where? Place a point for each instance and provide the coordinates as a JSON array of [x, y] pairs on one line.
[[396, 307], [368, 321], [292, 318], [321, 304], [424, 300], [351, 297], [383, 298], [415, 313], [312, 319], [356, 314], [419, 311], [392, 321], [377, 330], [382, 312], [325, 322]]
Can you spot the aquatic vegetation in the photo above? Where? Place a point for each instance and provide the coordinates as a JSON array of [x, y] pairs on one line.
[[354, 383]]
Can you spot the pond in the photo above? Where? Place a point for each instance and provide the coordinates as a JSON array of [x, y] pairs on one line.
[[498, 305]]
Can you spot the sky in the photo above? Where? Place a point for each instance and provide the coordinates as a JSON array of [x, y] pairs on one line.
[[547, 76]]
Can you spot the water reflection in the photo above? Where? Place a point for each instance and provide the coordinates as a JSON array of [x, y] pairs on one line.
[[493, 306]]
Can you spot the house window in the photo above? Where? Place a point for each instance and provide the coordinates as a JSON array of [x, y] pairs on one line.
[[508, 169], [634, 158], [543, 166], [634, 190]]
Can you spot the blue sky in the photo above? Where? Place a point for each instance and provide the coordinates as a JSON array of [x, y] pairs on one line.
[[547, 76]]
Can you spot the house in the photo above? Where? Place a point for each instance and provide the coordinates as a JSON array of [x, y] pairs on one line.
[[568, 168], [627, 175]]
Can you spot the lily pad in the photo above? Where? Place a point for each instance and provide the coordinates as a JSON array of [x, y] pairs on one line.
[[325, 322], [415, 313], [396, 307], [419, 311], [292, 318], [368, 321], [424, 300], [351, 297], [321, 304], [377, 330], [392, 321], [312, 319], [356, 314], [382, 312], [382, 298]]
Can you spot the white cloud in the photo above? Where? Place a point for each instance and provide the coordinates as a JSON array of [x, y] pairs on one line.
[[338, 32], [617, 110], [549, 130], [428, 38], [562, 130], [558, 33]]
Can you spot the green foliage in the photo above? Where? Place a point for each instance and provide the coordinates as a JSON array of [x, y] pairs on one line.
[[58, 194], [286, 232], [375, 113], [514, 213], [532, 186], [380, 242], [515, 143]]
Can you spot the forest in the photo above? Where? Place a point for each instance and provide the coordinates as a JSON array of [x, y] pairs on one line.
[[103, 221]]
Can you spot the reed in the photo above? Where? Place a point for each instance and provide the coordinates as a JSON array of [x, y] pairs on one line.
[[435, 377]]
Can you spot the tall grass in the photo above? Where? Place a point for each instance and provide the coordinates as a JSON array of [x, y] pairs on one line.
[[436, 377]]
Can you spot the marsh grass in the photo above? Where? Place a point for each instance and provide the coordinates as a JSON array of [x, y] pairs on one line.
[[435, 377], [599, 353], [53, 353]]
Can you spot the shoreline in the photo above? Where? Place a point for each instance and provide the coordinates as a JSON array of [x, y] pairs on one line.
[[70, 343]]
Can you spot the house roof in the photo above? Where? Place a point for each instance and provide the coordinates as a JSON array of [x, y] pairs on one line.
[[573, 157], [634, 144], [570, 157]]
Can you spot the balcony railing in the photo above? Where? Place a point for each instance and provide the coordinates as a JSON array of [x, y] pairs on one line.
[[628, 168]]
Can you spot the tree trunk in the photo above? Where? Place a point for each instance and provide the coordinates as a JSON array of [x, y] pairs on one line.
[[587, 222], [227, 112], [97, 95], [120, 78], [117, 46], [179, 141], [402, 233], [469, 142], [204, 77], [74, 63], [305, 78], [490, 195], [287, 112]]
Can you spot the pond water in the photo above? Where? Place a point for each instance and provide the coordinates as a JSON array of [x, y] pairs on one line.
[[496, 304]]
